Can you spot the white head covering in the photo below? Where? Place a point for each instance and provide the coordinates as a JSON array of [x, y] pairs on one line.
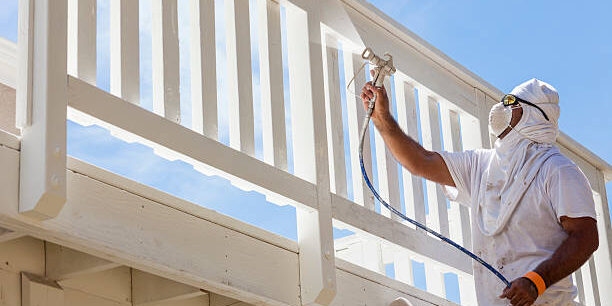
[[518, 156]]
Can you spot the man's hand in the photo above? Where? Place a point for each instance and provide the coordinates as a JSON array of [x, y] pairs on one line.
[[381, 108], [522, 292]]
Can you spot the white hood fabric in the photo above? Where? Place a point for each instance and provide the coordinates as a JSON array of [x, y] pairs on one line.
[[519, 156]]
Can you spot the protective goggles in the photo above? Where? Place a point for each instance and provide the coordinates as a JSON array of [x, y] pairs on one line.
[[510, 100]]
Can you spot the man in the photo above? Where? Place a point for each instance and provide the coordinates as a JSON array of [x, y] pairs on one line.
[[533, 215]]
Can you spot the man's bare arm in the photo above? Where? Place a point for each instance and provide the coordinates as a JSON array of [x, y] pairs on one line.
[[581, 242], [407, 151]]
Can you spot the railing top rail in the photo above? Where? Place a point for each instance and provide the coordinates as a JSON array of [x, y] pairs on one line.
[[403, 34]]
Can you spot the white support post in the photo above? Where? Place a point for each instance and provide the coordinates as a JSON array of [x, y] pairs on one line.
[[333, 107], [372, 254], [165, 64], [82, 39], [430, 129], [459, 214], [124, 50], [407, 119], [402, 264], [239, 78], [203, 69], [36, 291], [434, 279], [42, 187], [271, 83], [315, 235], [388, 180], [355, 115]]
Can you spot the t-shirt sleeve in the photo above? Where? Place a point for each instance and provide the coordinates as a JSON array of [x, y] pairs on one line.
[[460, 166], [570, 193]]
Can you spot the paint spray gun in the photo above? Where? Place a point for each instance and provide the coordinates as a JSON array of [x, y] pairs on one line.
[[382, 68]]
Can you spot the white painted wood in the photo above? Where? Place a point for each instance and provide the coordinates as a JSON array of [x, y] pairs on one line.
[[402, 265], [143, 234], [407, 120], [93, 101], [64, 263], [589, 281], [239, 77], [22, 255], [459, 215], [43, 146], [203, 68], [77, 297], [355, 114], [9, 140], [603, 255], [333, 109], [271, 84], [82, 39], [360, 286], [372, 257], [8, 235], [36, 291], [149, 289], [23, 72], [308, 118], [112, 285], [467, 289], [358, 218], [475, 126], [577, 279], [165, 64], [10, 288], [434, 279], [430, 131], [124, 50], [388, 180], [9, 62]]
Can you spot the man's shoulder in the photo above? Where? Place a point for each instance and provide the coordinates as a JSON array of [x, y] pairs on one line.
[[558, 161]]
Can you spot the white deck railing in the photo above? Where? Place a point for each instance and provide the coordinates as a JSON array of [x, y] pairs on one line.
[[450, 103]]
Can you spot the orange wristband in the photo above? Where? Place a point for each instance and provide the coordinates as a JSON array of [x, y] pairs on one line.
[[537, 280]]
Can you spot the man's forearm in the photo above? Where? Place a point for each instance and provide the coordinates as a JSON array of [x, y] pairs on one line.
[[569, 257], [406, 150]]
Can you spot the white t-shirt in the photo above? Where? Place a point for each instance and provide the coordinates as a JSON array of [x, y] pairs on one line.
[[533, 232]]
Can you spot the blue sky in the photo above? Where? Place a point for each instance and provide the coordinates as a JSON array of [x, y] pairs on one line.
[[504, 42]]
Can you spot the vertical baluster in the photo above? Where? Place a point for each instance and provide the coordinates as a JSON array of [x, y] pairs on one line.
[[335, 132], [430, 128], [42, 180], [315, 235], [434, 278], [452, 143], [402, 264], [372, 254], [467, 289], [239, 78], [407, 120], [589, 282], [82, 39], [165, 47], [578, 282], [124, 50], [203, 68], [603, 254], [355, 115], [271, 83], [388, 181]]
